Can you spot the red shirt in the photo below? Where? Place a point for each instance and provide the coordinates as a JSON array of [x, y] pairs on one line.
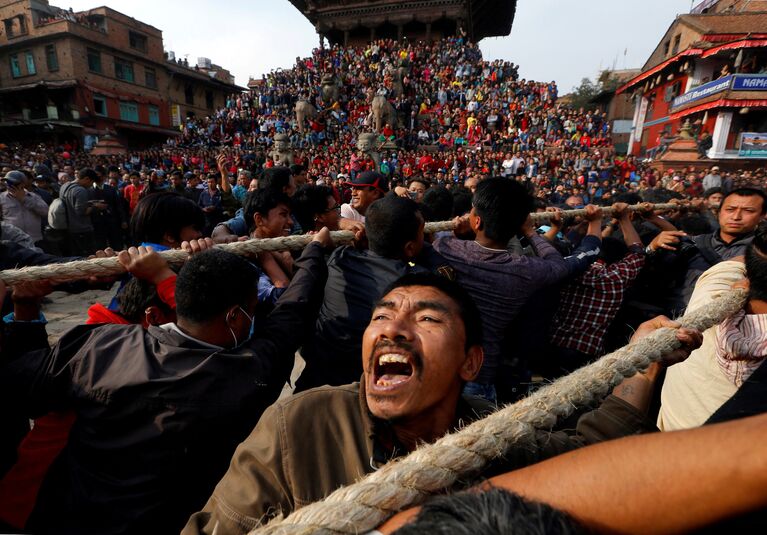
[[132, 194]]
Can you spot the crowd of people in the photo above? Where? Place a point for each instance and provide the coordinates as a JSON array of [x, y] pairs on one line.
[[163, 412]]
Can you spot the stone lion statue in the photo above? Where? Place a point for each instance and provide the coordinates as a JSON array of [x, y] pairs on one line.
[[330, 89]]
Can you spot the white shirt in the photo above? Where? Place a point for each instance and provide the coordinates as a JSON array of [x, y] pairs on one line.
[[347, 212], [694, 389]]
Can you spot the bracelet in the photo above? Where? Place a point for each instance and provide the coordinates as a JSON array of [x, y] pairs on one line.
[[648, 251]]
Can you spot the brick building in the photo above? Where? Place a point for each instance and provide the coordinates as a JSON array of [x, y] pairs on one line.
[[351, 22], [710, 68], [619, 108], [77, 75]]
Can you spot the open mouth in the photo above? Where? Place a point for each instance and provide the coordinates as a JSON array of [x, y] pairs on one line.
[[392, 369]]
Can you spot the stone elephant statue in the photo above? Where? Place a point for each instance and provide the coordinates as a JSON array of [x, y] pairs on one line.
[[383, 112], [305, 111]]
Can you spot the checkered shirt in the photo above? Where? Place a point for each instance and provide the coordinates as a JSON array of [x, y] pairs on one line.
[[589, 304]]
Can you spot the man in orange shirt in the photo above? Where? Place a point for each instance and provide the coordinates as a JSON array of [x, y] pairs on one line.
[[132, 191]]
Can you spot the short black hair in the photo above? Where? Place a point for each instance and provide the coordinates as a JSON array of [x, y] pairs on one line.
[[260, 202], [693, 224], [612, 250], [212, 282], [391, 222], [628, 197], [712, 191], [275, 179], [659, 196], [748, 192], [466, 306], [164, 213], [421, 180], [756, 264], [503, 206], [308, 202], [87, 172], [297, 169], [461, 201], [136, 296], [438, 204], [494, 511]]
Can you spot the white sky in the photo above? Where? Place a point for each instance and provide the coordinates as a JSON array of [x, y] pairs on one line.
[[562, 40]]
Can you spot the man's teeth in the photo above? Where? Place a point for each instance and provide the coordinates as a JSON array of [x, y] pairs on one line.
[[391, 358]]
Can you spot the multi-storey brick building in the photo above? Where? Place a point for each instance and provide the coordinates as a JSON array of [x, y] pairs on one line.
[[79, 75], [710, 68]]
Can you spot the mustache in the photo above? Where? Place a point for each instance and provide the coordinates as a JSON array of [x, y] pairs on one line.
[[395, 344]]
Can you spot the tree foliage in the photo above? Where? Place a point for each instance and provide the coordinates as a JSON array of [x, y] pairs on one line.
[[588, 89]]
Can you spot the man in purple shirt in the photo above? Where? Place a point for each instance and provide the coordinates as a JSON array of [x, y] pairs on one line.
[[500, 282]]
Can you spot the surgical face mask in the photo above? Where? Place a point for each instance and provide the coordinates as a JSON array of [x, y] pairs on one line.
[[250, 334]]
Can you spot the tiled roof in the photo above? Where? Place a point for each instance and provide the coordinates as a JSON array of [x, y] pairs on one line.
[[730, 23]]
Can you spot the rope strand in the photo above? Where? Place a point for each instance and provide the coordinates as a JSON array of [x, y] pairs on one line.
[[109, 267]]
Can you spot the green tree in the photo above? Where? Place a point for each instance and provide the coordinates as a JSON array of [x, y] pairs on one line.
[[587, 90], [582, 95]]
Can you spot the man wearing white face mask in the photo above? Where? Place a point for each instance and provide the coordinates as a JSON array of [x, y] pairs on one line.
[[159, 412]]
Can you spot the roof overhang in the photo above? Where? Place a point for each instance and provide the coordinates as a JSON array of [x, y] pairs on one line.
[[145, 128], [58, 84], [719, 103], [703, 53]]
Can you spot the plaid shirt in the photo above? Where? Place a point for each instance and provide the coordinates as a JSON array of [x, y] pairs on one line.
[[589, 304]]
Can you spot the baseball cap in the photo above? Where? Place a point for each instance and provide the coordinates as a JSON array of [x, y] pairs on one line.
[[14, 178], [371, 179]]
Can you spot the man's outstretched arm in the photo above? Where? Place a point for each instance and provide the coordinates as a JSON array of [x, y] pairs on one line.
[[659, 483]]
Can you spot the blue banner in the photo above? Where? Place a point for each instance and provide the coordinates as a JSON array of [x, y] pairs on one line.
[[749, 82], [703, 91]]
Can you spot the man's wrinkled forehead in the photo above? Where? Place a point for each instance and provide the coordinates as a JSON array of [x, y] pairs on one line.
[[417, 298]]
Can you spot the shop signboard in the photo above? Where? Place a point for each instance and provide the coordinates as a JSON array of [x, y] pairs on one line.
[[749, 82], [703, 91], [753, 145], [175, 115]]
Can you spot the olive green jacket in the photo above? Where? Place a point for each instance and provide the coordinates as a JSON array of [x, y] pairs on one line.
[[308, 445]]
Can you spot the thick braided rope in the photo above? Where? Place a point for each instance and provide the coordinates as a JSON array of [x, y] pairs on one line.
[[108, 267], [433, 468]]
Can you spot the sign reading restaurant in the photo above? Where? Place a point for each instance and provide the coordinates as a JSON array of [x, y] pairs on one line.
[[734, 82]]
